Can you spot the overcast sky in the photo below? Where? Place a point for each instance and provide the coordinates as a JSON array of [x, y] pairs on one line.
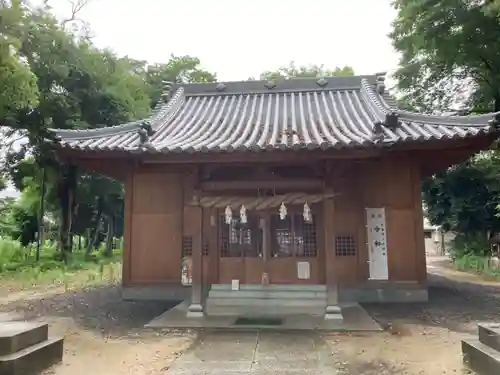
[[238, 39]]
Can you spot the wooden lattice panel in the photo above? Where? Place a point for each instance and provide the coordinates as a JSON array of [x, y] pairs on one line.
[[236, 239], [292, 236], [187, 246], [345, 246]]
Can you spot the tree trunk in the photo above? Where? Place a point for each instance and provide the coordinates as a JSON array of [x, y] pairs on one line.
[[41, 215], [95, 232], [67, 186], [108, 250]]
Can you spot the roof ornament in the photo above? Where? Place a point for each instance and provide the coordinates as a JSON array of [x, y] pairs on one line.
[[322, 82], [378, 131], [167, 90], [495, 121], [271, 84], [220, 86], [392, 120], [145, 131], [380, 83]]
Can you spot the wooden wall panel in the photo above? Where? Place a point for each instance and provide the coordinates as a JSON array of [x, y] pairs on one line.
[[401, 244], [156, 227], [392, 183]]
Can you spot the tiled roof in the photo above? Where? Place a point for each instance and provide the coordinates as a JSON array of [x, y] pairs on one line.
[[333, 112]]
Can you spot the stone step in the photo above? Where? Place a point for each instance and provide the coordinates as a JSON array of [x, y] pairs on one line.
[[274, 287], [489, 335], [267, 294], [480, 358], [284, 303], [34, 359], [17, 335], [269, 310]]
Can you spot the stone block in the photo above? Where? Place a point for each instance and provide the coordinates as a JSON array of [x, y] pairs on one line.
[[480, 358], [15, 336], [489, 335], [34, 359]]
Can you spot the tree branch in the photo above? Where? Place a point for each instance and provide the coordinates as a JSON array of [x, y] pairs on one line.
[[76, 7]]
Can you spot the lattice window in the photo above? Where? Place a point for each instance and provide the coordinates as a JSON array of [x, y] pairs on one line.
[[345, 246], [206, 248], [293, 237], [187, 246], [239, 239]]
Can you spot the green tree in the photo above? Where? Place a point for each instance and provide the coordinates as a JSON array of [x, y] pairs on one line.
[[449, 54], [17, 81], [293, 71], [179, 69]]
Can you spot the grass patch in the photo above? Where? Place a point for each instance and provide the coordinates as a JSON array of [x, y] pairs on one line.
[[19, 269], [477, 264]]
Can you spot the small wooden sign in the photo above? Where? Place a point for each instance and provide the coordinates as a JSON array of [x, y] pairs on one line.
[[235, 284]]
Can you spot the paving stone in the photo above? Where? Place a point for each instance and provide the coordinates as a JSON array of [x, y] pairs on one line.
[[255, 354]]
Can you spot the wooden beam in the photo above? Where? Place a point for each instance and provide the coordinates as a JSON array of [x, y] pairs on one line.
[[293, 184]]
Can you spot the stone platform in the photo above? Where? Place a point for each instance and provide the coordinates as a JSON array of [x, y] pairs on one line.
[[25, 348], [482, 354], [355, 319]]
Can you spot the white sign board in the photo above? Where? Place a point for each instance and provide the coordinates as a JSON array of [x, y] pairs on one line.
[[303, 270], [235, 284]]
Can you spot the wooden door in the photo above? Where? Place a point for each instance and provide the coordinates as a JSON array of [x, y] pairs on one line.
[[293, 257], [240, 247]]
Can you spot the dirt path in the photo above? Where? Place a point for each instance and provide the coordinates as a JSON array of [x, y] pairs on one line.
[[424, 338], [105, 334]]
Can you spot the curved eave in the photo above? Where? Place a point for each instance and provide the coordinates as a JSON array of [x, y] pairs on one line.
[[159, 116], [383, 107]]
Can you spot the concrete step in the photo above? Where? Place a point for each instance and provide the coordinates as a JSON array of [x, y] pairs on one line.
[[274, 287], [34, 359], [480, 358], [267, 294], [489, 335], [269, 310], [284, 303], [17, 335]]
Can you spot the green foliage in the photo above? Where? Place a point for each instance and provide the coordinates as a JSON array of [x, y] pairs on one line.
[[449, 54], [294, 71], [469, 245], [465, 198], [18, 83], [179, 69], [477, 264]]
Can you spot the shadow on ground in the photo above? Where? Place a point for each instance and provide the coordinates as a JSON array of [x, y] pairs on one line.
[[100, 309], [454, 305]]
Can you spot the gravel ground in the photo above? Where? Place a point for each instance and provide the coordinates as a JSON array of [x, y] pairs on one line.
[[422, 338], [105, 334]]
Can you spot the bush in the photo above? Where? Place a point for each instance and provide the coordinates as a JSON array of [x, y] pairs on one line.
[[470, 245], [477, 264]]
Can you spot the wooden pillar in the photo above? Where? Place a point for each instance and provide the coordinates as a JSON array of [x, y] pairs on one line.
[[332, 311], [265, 225], [195, 309], [420, 257]]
